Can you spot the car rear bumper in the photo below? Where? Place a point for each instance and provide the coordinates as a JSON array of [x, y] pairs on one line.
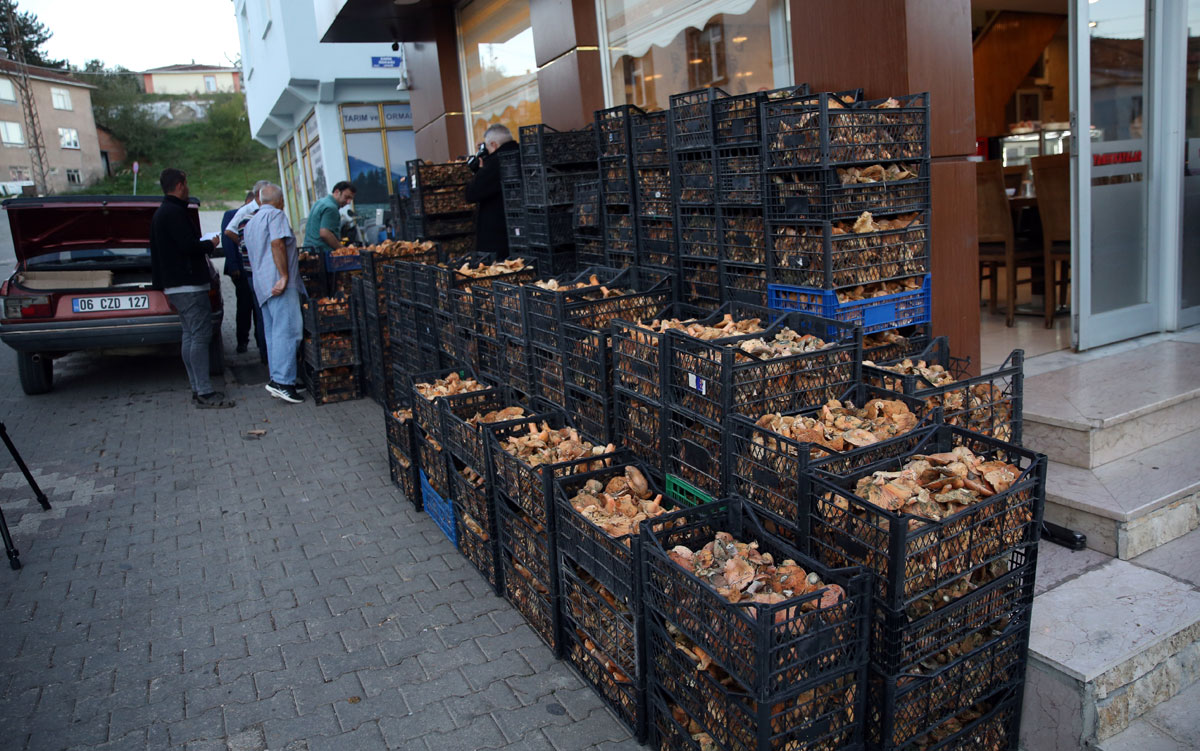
[[107, 333]]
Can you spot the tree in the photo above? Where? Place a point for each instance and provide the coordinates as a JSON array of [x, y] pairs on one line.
[[32, 33], [117, 107], [228, 127]]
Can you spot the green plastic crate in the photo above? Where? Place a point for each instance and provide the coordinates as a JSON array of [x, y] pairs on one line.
[[684, 493]]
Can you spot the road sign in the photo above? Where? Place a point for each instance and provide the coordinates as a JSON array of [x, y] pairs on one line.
[[390, 61], [136, 167]]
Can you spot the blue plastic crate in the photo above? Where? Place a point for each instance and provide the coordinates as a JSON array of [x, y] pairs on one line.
[[441, 510], [875, 314], [341, 263]]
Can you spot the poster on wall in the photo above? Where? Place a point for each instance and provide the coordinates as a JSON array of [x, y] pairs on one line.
[[368, 171]]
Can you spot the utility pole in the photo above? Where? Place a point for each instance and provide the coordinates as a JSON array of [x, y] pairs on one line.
[[33, 124]]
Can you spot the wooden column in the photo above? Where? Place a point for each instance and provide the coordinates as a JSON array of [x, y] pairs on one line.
[[891, 47], [436, 94], [567, 47]]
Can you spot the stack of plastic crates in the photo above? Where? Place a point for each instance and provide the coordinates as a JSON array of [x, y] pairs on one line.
[[847, 202], [330, 367], [439, 201], [370, 343], [403, 462], [782, 672], [952, 593], [589, 225], [552, 164], [648, 237], [512, 188], [692, 125], [618, 183], [603, 624], [414, 349]]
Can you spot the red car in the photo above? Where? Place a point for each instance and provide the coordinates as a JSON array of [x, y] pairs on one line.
[[83, 282]]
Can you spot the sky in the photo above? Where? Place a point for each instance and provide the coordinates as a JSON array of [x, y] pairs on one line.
[[139, 34]]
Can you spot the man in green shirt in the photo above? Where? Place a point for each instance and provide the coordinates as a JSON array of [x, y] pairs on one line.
[[324, 221]]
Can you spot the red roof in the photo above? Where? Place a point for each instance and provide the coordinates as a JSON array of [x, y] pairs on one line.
[[190, 68], [45, 74]]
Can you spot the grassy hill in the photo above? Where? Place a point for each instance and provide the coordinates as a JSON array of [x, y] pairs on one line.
[[214, 178]]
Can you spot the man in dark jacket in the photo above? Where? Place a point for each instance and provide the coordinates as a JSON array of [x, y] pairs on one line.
[[179, 263], [491, 231], [247, 308]]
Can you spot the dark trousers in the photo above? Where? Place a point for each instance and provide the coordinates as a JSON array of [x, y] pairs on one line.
[[247, 307]]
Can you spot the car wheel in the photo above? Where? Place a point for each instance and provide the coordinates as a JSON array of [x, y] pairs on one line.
[[216, 354], [36, 371]]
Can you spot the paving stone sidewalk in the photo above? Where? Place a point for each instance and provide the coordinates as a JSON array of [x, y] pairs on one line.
[[196, 588]]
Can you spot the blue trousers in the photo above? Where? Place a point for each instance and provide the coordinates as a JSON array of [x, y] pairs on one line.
[[284, 329]]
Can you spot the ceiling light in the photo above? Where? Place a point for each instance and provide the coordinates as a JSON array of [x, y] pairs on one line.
[[696, 61], [740, 39]]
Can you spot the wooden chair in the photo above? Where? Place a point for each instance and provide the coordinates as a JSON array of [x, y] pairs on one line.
[[1052, 184], [997, 241], [1013, 177]]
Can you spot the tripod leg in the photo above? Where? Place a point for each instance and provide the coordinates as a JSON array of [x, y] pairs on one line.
[[16, 455], [13, 560]]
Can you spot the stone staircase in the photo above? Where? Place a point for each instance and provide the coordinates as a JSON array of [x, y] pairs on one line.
[[1115, 644]]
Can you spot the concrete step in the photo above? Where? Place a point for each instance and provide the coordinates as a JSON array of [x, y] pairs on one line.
[[1173, 725], [1098, 411], [1134, 504], [1106, 648]]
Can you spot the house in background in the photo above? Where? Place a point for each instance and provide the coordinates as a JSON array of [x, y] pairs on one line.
[[192, 79], [112, 151], [64, 106]]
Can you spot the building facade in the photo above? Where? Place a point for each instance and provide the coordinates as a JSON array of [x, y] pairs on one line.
[[331, 112], [192, 79], [64, 107]]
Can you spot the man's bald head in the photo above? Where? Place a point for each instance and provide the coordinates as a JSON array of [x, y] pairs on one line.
[[271, 194]]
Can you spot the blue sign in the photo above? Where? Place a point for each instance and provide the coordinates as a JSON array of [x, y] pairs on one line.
[[394, 61]]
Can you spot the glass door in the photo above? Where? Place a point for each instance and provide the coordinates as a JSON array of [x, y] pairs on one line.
[[1189, 256], [1114, 258]]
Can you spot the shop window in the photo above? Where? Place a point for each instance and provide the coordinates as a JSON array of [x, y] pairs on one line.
[[74, 177], [61, 98], [8, 92], [68, 138], [499, 65], [661, 47], [10, 134], [379, 143]]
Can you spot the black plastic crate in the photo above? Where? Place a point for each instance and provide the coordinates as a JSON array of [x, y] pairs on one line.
[[403, 472], [330, 350], [887, 347], [553, 260], [586, 212], [548, 226], [743, 235], [428, 412], [472, 494], [514, 355], [451, 339], [534, 600], [651, 139], [614, 562], [438, 188], [695, 451], [716, 379], [530, 542], [327, 314], [600, 641], [817, 256], [814, 132], [546, 374], [907, 711], [510, 166], [910, 556], [509, 309], [432, 460], [449, 226], [593, 413], [991, 403], [739, 176], [399, 432], [587, 358], [619, 231], [541, 144], [620, 259], [744, 283], [773, 471], [479, 547], [616, 181], [737, 117], [547, 186], [462, 440], [638, 426], [695, 175], [656, 240], [822, 195], [771, 650], [457, 246], [687, 702], [639, 352], [531, 487], [698, 232], [417, 284], [607, 620], [613, 130], [654, 192], [643, 293], [589, 250], [447, 278], [489, 359], [700, 282], [332, 385], [692, 121]]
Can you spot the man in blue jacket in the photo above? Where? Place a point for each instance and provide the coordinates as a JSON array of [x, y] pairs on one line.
[[247, 308]]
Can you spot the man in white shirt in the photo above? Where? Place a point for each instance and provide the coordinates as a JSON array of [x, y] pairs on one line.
[[275, 273]]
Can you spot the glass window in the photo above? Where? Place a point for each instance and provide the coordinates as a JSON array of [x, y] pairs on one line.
[[18, 173], [8, 92], [61, 98], [500, 68], [379, 143], [210, 83], [313, 160], [364, 153], [661, 47], [291, 180], [401, 146], [74, 177], [10, 134], [68, 138], [1190, 262]]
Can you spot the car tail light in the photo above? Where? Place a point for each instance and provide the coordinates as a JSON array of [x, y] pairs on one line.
[[28, 307]]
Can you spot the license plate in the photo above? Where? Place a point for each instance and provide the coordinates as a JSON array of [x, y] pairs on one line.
[[106, 304]]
